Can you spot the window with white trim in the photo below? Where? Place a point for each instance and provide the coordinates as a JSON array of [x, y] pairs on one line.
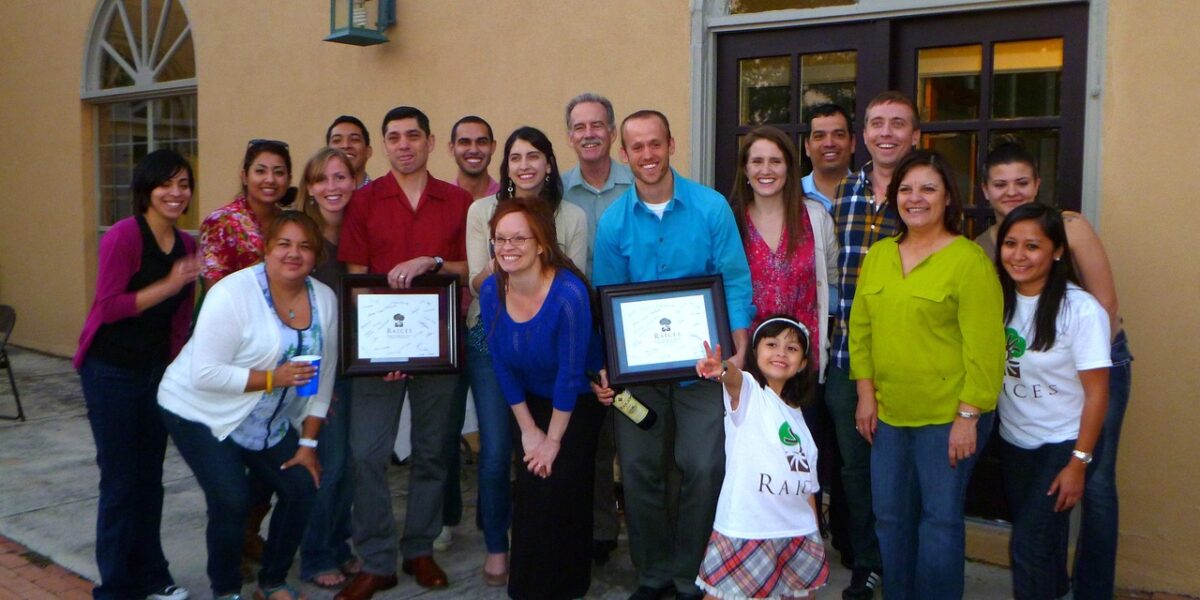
[[140, 75]]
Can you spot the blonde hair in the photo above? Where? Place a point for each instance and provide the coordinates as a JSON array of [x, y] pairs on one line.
[[314, 171]]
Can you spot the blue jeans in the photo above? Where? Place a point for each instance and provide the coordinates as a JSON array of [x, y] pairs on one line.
[[1096, 548], [325, 546], [495, 450], [918, 499], [220, 467], [841, 398], [1039, 565], [130, 444]]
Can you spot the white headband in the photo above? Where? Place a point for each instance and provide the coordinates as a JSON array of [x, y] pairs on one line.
[[793, 323]]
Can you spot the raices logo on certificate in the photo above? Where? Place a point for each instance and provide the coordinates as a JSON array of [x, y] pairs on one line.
[[398, 329], [664, 330]]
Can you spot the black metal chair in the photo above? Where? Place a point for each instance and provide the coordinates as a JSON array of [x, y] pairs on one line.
[[8, 318]]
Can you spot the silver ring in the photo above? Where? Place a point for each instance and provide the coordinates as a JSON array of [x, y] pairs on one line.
[[402, 276]]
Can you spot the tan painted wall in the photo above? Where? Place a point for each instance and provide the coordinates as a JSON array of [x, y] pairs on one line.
[[264, 71], [456, 57], [1149, 158], [45, 235]]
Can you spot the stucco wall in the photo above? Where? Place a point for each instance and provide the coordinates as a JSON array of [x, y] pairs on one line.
[[264, 71], [1152, 83], [512, 62], [45, 199]]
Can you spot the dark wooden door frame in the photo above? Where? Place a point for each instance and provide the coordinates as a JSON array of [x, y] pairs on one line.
[[867, 38], [1066, 21], [883, 64]]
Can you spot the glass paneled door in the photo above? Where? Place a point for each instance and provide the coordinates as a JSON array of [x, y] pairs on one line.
[[770, 78], [975, 77], [981, 78]]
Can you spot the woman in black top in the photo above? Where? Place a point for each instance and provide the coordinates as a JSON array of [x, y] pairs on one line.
[[137, 324]]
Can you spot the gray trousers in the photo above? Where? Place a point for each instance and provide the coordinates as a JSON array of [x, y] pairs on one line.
[[605, 524], [668, 550], [374, 421]]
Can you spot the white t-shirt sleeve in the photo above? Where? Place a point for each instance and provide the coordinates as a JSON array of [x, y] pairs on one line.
[[1090, 348], [749, 394]]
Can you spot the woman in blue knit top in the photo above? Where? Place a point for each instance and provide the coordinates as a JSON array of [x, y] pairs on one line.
[[537, 313]]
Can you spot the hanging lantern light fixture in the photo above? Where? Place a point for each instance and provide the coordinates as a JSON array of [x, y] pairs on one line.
[[360, 22]]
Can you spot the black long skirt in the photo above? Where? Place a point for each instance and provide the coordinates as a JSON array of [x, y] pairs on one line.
[[552, 518]]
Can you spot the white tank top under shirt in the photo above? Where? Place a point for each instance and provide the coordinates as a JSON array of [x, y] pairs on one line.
[[770, 468], [1042, 399]]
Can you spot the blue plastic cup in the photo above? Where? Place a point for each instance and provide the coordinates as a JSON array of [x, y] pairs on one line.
[[310, 388]]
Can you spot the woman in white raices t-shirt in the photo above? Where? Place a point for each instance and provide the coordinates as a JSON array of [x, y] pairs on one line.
[[1055, 393]]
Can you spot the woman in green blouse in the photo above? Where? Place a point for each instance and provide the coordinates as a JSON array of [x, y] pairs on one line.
[[927, 351]]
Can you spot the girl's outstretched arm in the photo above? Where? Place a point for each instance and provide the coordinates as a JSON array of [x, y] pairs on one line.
[[713, 368]]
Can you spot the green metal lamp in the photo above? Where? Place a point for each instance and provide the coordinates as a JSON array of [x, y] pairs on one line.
[[360, 22]]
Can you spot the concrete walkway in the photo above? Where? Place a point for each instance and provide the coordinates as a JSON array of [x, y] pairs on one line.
[[48, 482]]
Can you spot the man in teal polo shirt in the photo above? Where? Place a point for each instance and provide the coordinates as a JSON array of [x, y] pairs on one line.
[[667, 227], [598, 180]]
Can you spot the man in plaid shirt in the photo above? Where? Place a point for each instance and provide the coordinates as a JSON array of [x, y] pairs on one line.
[[861, 216]]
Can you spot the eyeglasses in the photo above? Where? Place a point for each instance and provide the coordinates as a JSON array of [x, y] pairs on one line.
[[517, 242], [265, 142]]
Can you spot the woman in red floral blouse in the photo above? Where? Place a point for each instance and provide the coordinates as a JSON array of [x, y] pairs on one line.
[[231, 237], [788, 238]]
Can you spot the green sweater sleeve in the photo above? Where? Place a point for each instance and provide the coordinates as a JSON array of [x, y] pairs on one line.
[[981, 320]]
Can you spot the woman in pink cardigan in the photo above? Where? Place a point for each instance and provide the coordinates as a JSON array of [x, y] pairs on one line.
[[137, 324]]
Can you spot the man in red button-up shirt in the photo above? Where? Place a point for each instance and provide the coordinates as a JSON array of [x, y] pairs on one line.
[[405, 223]]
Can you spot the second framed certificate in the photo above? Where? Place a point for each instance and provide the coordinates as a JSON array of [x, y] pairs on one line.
[[655, 331], [414, 330]]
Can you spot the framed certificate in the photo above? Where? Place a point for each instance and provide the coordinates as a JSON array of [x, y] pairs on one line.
[[655, 331], [414, 330]]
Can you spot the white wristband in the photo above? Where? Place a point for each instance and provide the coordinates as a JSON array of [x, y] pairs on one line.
[[308, 442]]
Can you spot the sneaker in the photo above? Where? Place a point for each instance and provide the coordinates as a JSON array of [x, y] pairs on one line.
[[862, 585], [443, 541], [171, 592]]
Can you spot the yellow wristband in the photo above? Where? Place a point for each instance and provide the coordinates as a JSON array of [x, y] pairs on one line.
[[270, 376]]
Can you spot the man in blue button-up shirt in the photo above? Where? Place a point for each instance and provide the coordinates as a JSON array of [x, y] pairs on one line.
[[667, 227]]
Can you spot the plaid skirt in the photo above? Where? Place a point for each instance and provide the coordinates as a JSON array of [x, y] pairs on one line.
[[774, 568]]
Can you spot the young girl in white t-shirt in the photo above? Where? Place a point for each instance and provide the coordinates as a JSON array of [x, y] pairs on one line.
[[765, 541], [1055, 393]]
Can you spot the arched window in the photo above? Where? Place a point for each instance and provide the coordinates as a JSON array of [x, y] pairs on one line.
[[140, 74]]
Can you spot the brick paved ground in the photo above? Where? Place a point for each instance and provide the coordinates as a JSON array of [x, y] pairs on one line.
[[27, 575]]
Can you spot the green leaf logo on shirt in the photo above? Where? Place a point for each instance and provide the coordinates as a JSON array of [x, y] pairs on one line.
[[787, 436], [1016, 349]]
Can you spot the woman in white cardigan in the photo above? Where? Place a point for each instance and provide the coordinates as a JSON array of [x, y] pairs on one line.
[[230, 401], [788, 239]]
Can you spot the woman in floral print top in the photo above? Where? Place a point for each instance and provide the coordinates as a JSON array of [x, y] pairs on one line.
[[231, 237]]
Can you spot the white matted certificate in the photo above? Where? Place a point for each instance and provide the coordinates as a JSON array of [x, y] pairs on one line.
[[416, 329], [664, 330], [654, 331], [397, 327]]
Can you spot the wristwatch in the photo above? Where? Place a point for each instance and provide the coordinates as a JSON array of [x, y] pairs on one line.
[[437, 264], [1084, 457], [966, 414], [308, 442]]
